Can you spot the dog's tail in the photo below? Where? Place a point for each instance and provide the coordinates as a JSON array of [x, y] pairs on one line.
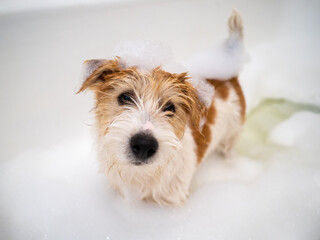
[[235, 29]]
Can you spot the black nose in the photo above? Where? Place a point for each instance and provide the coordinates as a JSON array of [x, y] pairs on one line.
[[143, 146]]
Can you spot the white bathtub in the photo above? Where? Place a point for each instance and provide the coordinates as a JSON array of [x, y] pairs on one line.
[[44, 121]]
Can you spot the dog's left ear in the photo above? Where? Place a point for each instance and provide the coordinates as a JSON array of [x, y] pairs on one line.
[[96, 71], [197, 110], [194, 106]]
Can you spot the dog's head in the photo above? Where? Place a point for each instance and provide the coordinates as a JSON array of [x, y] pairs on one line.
[[141, 115]]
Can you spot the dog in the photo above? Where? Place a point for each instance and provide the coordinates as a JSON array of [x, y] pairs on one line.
[[154, 128]]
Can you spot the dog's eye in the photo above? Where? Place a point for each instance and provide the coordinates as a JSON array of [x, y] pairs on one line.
[[169, 108], [125, 98]]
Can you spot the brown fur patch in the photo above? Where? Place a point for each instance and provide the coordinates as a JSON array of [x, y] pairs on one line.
[[221, 88], [203, 138]]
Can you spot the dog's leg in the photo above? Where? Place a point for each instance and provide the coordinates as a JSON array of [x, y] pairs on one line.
[[226, 145]]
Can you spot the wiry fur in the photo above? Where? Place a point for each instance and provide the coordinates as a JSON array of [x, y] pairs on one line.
[[182, 142]]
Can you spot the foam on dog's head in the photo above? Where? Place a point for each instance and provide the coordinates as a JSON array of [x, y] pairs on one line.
[[146, 55]]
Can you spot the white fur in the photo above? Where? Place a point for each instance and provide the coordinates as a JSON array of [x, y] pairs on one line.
[[148, 126], [228, 124]]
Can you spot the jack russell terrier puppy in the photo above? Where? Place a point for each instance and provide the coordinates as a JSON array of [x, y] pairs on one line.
[[154, 127]]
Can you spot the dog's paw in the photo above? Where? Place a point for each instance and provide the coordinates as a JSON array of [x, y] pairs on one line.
[[175, 199]]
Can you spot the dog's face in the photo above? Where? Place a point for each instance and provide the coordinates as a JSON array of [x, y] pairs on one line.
[[141, 116]]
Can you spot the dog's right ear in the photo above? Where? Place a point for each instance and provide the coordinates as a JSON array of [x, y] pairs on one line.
[[96, 71]]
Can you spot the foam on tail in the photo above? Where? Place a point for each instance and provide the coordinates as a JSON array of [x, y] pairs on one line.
[[223, 61]]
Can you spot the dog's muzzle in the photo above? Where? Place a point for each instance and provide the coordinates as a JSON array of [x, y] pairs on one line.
[[143, 147]]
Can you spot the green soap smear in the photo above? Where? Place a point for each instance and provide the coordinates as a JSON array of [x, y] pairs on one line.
[[261, 120]]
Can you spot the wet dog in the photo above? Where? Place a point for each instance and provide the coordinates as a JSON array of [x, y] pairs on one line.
[[153, 127]]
